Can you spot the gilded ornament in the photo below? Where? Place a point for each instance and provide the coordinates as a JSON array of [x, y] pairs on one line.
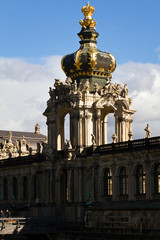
[[88, 21], [101, 69], [92, 58], [77, 63]]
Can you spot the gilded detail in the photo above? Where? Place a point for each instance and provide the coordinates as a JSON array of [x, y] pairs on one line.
[[77, 63], [88, 20], [92, 58]]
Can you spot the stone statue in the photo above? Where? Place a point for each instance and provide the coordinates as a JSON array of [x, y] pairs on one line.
[[52, 93], [37, 129], [148, 131], [124, 92], [68, 144], [47, 151], [93, 139], [114, 137], [68, 81], [87, 86]]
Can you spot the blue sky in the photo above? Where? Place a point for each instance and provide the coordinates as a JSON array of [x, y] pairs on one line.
[[35, 34], [36, 28]]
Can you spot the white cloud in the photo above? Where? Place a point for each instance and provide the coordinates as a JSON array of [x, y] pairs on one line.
[[24, 91], [143, 81]]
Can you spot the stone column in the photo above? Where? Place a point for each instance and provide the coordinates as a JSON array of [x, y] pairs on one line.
[[80, 184], [87, 133], [51, 186], [105, 130], [98, 127], [131, 183], [114, 183], [148, 179], [76, 184], [29, 187], [52, 133], [122, 137], [60, 132], [80, 129], [69, 184]]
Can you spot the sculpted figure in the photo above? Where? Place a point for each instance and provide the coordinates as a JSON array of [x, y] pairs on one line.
[[148, 131], [93, 139], [68, 144], [52, 93], [124, 92], [47, 151]]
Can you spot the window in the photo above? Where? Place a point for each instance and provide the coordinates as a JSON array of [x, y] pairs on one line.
[[140, 181], [107, 182], [15, 189], [157, 179], [5, 189], [123, 181], [25, 188]]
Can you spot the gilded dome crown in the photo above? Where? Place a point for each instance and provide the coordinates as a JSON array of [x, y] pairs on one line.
[[88, 61]]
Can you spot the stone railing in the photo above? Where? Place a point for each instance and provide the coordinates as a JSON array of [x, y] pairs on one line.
[[145, 143]]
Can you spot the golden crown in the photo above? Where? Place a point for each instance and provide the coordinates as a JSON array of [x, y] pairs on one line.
[[88, 21]]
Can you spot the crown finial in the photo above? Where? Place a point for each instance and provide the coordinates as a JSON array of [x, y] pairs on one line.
[[88, 20]]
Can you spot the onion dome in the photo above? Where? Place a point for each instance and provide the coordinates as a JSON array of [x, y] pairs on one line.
[[88, 62]]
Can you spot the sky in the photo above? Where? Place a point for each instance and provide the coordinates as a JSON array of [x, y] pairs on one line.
[[36, 34]]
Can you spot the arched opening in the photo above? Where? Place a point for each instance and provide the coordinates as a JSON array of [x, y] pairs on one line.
[[111, 127], [140, 180], [157, 179], [25, 188], [107, 182], [67, 127], [123, 181], [5, 189], [107, 123]]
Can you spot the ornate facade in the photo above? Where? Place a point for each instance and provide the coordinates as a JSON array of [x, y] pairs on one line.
[[14, 144], [84, 177]]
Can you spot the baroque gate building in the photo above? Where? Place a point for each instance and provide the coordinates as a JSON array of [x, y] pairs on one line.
[[85, 177]]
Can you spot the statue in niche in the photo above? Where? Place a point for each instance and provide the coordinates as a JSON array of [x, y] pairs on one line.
[[68, 144], [93, 139], [148, 131]]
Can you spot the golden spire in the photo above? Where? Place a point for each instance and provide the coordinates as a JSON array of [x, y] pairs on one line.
[[88, 20]]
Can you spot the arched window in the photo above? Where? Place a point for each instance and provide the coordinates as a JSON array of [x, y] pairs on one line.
[[123, 181], [5, 189], [140, 181], [25, 188], [15, 189], [157, 179], [107, 182]]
